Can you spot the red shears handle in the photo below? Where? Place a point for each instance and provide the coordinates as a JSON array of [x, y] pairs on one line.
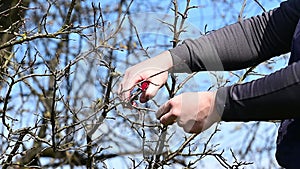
[[141, 88]]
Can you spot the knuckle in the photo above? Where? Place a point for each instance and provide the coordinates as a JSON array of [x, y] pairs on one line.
[[179, 123], [158, 114], [174, 103], [174, 113]]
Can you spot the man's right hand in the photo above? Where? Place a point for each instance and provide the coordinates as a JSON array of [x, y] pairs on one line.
[[154, 70]]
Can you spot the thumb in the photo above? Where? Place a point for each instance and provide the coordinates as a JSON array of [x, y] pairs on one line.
[[149, 93]]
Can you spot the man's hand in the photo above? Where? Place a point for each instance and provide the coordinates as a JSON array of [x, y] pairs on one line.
[[194, 112], [154, 70]]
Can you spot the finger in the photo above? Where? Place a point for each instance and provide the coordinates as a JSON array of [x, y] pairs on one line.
[[168, 119], [179, 122], [165, 108], [126, 86]]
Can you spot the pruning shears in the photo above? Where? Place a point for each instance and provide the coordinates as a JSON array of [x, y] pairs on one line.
[[142, 87]]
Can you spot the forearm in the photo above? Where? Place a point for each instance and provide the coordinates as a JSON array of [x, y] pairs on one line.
[[273, 97], [242, 44]]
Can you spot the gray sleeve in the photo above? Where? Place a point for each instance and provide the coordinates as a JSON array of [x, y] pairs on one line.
[[242, 44], [274, 97]]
